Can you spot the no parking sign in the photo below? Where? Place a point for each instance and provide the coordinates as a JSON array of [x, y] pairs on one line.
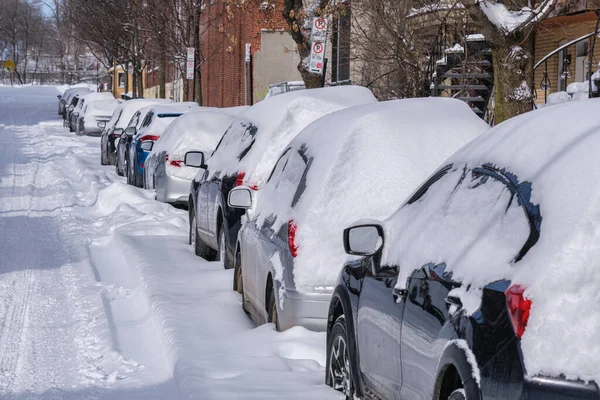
[[318, 36]]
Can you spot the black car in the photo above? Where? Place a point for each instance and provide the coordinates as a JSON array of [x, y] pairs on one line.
[[433, 307]]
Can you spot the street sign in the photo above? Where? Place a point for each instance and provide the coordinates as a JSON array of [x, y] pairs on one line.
[[190, 69], [190, 63], [319, 30], [9, 65], [248, 52], [317, 55]]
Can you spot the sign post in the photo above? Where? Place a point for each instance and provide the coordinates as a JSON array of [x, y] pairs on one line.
[[318, 37], [190, 63]]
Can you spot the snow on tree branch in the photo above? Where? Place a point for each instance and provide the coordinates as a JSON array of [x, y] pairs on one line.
[[512, 21]]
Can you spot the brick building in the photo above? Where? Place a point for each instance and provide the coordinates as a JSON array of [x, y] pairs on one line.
[[227, 79]]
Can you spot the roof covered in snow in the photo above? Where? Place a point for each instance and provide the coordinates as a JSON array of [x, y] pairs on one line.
[[258, 135]]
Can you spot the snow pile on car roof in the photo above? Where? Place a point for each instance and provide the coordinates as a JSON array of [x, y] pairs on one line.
[[101, 107], [194, 131], [364, 162], [555, 150], [125, 110], [259, 134]]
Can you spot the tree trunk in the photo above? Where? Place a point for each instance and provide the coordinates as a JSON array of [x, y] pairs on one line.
[[162, 72], [513, 73], [140, 81]]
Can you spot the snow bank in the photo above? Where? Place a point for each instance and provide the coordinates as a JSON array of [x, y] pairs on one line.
[[195, 131], [259, 134], [364, 161], [559, 159]]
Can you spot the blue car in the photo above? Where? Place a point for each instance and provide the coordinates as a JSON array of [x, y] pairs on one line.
[[155, 122]]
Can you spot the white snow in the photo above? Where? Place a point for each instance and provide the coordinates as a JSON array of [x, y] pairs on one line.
[[277, 120], [365, 160], [195, 131], [101, 297], [464, 346], [478, 237]]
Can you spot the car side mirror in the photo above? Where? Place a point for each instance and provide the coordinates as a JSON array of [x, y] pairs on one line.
[[240, 197], [147, 145], [130, 131], [363, 240], [118, 131], [194, 159], [59, 96], [102, 124]]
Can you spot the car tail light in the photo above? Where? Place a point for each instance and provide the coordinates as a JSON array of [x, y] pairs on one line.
[[292, 238], [176, 163], [166, 157], [240, 178], [239, 181], [518, 308], [149, 137], [142, 165]]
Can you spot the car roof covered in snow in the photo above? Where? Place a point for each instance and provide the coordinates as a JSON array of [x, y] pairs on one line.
[[364, 162], [125, 110], [101, 107], [259, 134], [553, 153], [197, 130]]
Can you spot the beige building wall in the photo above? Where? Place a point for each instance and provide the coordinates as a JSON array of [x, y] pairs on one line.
[[277, 61], [173, 89]]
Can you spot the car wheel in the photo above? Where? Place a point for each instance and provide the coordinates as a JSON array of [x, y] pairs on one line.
[[272, 309], [222, 246], [458, 394], [71, 128], [103, 155], [200, 249], [339, 374], [238, 280]]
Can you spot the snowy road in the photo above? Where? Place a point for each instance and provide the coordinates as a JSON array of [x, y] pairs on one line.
[[100, 295]]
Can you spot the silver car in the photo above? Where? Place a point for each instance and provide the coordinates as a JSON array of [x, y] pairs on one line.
[[361, 162], [94, 116], [165, 168]]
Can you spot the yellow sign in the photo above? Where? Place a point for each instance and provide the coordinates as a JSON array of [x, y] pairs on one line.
[[9, 65]]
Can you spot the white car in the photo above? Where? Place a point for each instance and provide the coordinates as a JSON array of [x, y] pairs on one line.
[[165, 168], [94, 116], [360, 162]]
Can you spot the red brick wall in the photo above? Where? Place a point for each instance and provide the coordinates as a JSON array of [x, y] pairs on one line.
[[223, 47]]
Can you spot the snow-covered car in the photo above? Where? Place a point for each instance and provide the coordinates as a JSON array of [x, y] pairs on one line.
[[78, 108], [71, 101], [247, 153], [361, 162], [117, 124], [94, 116], [165, 168], [483, 284], [66, 97], [156, 120]]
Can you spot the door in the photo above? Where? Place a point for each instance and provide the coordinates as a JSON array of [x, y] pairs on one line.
[[378, 333]]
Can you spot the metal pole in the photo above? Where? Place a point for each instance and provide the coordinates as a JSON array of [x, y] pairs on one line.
[[545, 84], [97, 80], [251, 71], [245, 84], [591, 55], [324, 71]]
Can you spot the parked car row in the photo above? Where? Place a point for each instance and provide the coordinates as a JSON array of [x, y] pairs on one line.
[[444, 259]]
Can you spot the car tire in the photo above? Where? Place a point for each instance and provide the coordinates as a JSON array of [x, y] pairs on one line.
[[221, 254], [238, 281], [272, 311], [200, 249], [103, 155], [458, 394], [339, 359]]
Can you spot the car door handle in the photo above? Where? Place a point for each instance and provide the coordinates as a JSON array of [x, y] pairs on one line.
[[454, 301], [399, 294]]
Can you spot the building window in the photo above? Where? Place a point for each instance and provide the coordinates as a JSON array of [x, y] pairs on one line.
[[121, 79]]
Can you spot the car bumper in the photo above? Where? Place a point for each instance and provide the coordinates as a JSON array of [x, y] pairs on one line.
[[558, 389], [171, 189], [304, 309]]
